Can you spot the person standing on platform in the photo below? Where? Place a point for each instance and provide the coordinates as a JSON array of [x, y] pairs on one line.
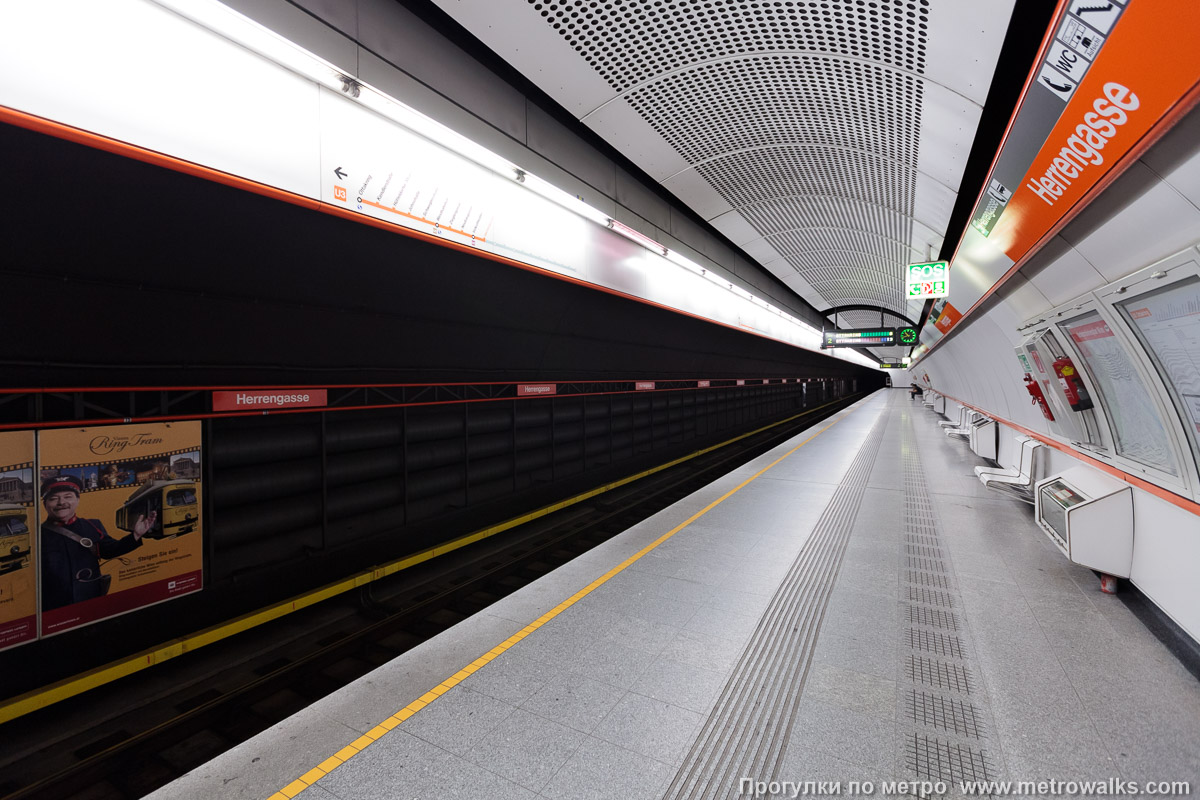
[[72, 547]]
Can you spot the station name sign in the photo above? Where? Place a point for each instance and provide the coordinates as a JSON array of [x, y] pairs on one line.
[[931, 279], [265, 400]]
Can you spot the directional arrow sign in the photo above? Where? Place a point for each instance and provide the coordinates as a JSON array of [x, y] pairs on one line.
[[339, 173]]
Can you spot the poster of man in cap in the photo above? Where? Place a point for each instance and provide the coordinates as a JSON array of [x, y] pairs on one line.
[[18, 546], [120, 520]]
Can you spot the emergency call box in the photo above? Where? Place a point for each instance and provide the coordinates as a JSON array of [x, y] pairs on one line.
[[1088, 515]]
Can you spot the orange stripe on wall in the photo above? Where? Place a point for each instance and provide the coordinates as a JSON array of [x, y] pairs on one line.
[[70, 133], [1133, 480]]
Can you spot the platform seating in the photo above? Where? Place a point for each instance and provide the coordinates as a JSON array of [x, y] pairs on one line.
[[962, 428], [982, 437], [1019, 481]]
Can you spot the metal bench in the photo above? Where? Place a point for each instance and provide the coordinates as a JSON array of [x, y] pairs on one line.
[[1019, 481]]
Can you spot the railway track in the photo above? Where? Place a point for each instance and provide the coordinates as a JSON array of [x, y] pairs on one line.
[[199, 706]]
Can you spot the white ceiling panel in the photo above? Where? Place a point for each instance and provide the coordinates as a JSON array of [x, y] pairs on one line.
[[932, 202], [762, 251], [528, 40], [735, 226], [966, 38], [698, 194], [625, 129], [948, 124]]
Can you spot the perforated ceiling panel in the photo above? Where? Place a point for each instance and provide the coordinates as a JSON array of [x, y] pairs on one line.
[[632, 42], [796, 126]]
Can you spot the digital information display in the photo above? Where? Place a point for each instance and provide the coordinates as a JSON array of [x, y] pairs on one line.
[[892, 365], [858, 337], [927, 280]]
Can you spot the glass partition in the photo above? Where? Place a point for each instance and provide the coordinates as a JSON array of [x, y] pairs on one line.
[[1132, 414], [1167, 321]]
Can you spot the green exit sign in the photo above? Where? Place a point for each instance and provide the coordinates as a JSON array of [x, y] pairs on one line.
[[927, 280]]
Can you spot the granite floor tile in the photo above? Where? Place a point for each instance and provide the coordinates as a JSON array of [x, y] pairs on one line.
[[722, 622], [650, 727], [873, 656], [526, 749], [679, 684], [457, 719], [853, 690], [511, 677], [613, 664], [802, 763], [866, 739], [704, 650], [574, 700], [600, 770], [398, 765]]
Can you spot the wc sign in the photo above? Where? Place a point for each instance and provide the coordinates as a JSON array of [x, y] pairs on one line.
[[927, 280]]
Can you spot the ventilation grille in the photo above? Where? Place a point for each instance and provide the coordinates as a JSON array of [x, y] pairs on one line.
[[780, 100], [816, 240], [752, 176], [630, 41], [833, 211], [801, 114]]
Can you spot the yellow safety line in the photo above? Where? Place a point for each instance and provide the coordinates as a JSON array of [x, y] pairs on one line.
[[77, 684], [367, 739]]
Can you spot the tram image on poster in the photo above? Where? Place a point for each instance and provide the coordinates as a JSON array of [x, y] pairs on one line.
[[120, 525], [18, 545]]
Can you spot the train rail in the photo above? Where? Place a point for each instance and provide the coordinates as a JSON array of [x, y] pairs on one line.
[[198, 706]]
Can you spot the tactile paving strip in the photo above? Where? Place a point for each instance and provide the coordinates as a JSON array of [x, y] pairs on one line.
[[942, 732], [746, 734]]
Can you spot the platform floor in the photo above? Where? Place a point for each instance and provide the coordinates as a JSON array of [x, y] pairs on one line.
[[852, 606]]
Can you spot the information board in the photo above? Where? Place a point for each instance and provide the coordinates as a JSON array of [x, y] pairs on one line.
[[858, 337], [1132, 414], [1168, 323]]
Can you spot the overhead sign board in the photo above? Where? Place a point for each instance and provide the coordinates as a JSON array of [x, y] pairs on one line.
[[927, 280], [892, 365], [858, 337]]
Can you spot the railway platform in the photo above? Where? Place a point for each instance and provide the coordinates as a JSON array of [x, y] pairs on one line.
[[850, 608]]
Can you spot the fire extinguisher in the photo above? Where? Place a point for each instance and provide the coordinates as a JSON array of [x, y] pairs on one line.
[[1035, 391], [1068, 378]]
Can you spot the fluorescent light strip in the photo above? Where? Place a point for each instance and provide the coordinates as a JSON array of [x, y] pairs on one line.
[[246, 32], [636, 236], [557, 195]]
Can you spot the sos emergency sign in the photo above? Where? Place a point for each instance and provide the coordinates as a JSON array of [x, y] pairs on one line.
[[927, 280]]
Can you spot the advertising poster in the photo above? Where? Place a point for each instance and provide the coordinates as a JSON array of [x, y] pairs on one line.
[[18, 584], [119, 520]]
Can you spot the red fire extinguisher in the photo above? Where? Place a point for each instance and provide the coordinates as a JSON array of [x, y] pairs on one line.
[[1035, 391], [1068, 378]]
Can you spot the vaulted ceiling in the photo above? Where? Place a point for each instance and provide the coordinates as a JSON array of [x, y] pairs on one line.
[[826, 138]]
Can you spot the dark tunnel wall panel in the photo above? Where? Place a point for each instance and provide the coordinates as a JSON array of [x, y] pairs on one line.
[[204, 283]]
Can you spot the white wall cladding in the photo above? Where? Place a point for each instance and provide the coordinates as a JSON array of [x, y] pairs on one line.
[[1149, 214], [830, 137]]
